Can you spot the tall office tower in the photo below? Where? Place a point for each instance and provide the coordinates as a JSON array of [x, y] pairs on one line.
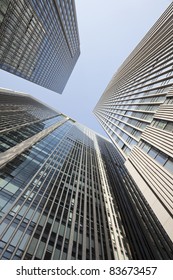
[[55, 194], [136, 110], [64, 192], [39, 40]]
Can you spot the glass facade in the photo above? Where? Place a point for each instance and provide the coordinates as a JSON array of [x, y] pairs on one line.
[[136, 111], [55, 194], [39, 40]]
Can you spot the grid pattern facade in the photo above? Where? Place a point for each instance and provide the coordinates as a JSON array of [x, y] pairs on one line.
[[140, 222], [136, 112], [55, 192], [39, 40]]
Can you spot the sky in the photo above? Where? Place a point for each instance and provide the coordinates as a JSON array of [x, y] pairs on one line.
[[109, 30]]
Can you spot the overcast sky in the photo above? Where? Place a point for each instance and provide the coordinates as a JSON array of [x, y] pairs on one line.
[[109, 30]]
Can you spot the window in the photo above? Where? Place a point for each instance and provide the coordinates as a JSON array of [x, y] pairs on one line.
[[161, 158], [169, 165], [133, 143], [125, 136], [169, 126], [161, 124], [153, 152], [120, 143], [145, 147], [11, 188], [3, 182]]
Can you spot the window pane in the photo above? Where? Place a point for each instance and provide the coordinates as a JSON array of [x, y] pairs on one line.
[[11, 188], [161, 158], [169, 127], [153, 152], [161, 124], [146, 148], [169, 166]]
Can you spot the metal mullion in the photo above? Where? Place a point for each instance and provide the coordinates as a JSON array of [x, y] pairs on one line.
[[39, 205], [102, 205], [25, 56], [67, 217], [141, 97], [57, 61], [99, 220], [71, 29], [130, 117], [137, 55], [36, 208], [45, 18], [26, 124], [121, 138], [45, 204], [53, 252], [95, 176], [145, 69], [69, 34], [150, 45], [28, 39], [24, 18], [12, 220], [145, 74], [78, 231], [69, 252], [116, 225], [158, 70], [16, 25], [140, 250], [63, 29], [53, 201], [136, 200], [85, 207], [143, 90], [122, 129], [150, 217], [20, 209], [94, 210], [28, 183], [89, 210], [146, 91], [75, 20], [41, 214], [59, 46]]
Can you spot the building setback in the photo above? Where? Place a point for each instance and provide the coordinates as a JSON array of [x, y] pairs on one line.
[[64, 192], [136, 111], [39, 40]]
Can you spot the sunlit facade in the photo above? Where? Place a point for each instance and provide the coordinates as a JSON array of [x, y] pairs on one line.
[[55, 191], [65, 193], [136, 111], [39, 40]]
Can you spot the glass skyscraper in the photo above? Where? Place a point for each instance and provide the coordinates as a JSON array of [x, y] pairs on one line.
[[65, 193], [136, 111], [39, 40], [55, 198]]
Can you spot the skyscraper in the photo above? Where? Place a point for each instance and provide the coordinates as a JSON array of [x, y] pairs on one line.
[[64, 192], [136, 111], [55, 198], [39, 40]]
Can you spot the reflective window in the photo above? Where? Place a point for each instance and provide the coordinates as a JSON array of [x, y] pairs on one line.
[[169, 126], [153, 152], [169, 166], [161, 158]]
